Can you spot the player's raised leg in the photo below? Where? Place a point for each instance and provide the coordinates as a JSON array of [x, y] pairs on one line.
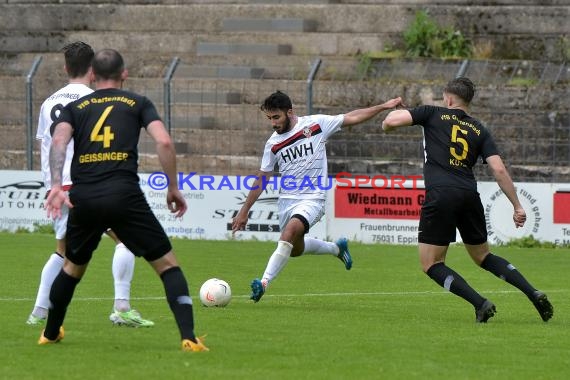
[[320, 247]]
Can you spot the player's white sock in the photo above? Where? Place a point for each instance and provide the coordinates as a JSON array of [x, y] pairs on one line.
[[50, 270], [123, 269], [320, 247], [277, 261]]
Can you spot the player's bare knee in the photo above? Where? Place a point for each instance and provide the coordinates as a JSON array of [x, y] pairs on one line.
[[477, 252], [297, 250]]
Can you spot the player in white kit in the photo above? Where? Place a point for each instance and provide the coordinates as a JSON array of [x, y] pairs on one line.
[[78, 56], [298, 148]]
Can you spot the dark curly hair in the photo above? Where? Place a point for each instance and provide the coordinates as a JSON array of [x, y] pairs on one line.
[[277, 101], [78, 57], [462, 87]]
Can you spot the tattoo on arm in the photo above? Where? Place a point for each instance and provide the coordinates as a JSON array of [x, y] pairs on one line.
[[56, 161]]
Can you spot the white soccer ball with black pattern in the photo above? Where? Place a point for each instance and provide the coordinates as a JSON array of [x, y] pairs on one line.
[[215, 292]]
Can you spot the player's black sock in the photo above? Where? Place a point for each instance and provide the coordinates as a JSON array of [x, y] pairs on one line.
[[180, 302], [506, 271], [452, 281], [59, 296]]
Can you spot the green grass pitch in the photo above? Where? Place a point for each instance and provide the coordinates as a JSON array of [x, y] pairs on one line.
[[384, 319]]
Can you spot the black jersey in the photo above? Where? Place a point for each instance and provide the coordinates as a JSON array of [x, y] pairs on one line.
[[453, 141], [106, 128]]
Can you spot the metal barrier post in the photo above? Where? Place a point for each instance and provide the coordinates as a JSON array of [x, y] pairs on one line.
[[29, 111], [462, 69], [559, 73], [167, 81], [314, 68]]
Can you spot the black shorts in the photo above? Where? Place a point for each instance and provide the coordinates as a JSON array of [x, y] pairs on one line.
[[446, 209], [127, 214]]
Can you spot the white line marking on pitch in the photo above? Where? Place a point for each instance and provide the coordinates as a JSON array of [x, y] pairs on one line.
[[351, 294]]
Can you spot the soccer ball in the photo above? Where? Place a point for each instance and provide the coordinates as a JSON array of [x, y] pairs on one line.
[[215, 292]]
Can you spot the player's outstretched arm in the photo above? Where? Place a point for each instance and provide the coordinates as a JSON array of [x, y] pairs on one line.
[[363, 114], [396, 119], [506, 184], [240, 220]]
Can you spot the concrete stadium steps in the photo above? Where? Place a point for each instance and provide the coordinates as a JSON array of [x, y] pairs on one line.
[[200, 18], [375, 147], [236, 142], [520, 118], [329, 94], [206, 151], [150, 65], [273, 69], [247, 118], [368, 26], [214, 164], [194, 122], [237, 46], [13, 137], [241, 117], [207, 97], [52, 63], [291, 67], [153, 67], [525, 98], [17, 160], [318, 43], [12, 97], [13, 88], [220, 164], [41, 88], [506, 133], [252, 91], [297, 67], [380, 17], [222, 142], [535, 153], [18, 63], [329, 88], [334, 94], [269, 25], [535, 125], [206, 43], [325, 93], [219, 71]]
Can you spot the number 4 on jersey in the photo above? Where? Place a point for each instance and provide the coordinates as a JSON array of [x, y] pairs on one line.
[[106, 136]]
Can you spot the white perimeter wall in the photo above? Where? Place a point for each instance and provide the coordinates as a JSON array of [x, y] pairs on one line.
[[368, 215]]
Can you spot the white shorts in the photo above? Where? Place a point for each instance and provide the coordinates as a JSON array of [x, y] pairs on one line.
[[60, 224], [310, 209]]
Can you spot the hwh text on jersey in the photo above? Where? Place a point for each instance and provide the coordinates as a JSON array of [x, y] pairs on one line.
[[298, 151]]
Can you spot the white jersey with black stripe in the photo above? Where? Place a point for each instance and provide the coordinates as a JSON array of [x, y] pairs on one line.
[[301, 156]]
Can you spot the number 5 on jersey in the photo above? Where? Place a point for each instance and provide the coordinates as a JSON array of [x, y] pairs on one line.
[[461, 141], [105, 136]]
